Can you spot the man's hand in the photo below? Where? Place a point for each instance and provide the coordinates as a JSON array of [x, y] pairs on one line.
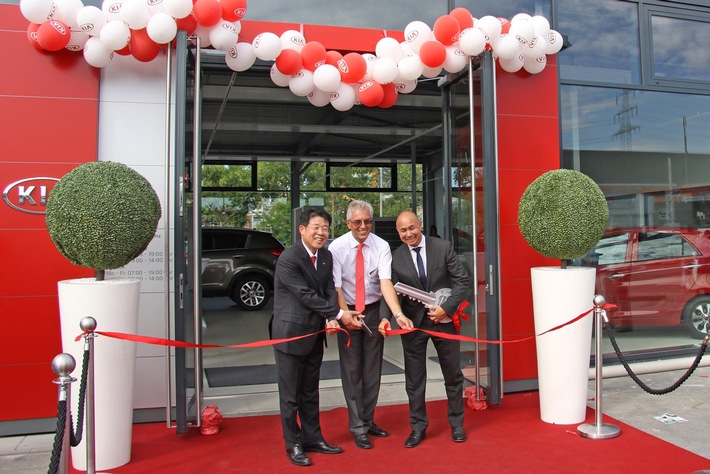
[[332, 326], [436, 314], [383, 327], [404, 322], [351, 320]]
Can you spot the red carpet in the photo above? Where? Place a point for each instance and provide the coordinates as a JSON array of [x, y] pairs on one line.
[[505, 439]]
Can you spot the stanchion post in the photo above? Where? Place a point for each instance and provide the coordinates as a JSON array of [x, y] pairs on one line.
[[63, 365], [598, 430], [88, 325]]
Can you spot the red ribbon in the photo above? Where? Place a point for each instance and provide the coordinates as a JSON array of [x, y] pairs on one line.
[[459, 315]]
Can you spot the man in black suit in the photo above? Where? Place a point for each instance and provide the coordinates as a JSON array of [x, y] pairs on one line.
[[305, 302], [429, 264]]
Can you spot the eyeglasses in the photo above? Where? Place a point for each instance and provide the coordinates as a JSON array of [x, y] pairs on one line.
[[325, 229], [358, 223]]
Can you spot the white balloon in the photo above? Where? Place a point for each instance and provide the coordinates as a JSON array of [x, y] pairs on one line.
[[384, 70], [90, 20], [96, 53], [292, 39], [455, 59], [156, 6], [37, 11], [506, 47], [343, 98], [278, 78], [326, 77], [472, 41], [135, 14], [162, 28], [225, 34], [389, 48], [513, 64], [318, 97], [115, 35], [370, 60], [112, 9], [405, 48], [535, 65], [267, 46], [554, 42], [416, 34], [520, 16], [66, 11], [301, 83], [541, 25], [241, 57], [410, 67], [178, 8], [490, 27], [203, 32], [431, 72], [535, 48], [522, 30], [405, 86], [77, 40]]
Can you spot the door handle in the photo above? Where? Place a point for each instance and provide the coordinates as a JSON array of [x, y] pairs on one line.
[[614, 276], [692, 266]]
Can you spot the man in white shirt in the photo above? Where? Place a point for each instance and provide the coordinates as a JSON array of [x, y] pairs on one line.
[[360, 286]]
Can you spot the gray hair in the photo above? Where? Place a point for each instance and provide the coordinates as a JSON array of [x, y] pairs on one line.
[[362, 205]]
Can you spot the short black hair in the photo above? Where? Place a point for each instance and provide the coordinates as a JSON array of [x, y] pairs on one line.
[[310, 212]]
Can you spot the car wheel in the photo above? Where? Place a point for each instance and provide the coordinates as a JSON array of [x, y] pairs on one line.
[[696, 316], [251, 293]]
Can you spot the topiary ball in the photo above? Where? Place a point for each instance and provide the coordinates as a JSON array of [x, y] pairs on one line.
[[102, 215], [563, 214]]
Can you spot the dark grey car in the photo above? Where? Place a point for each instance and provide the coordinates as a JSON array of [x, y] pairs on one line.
[[241, 265]]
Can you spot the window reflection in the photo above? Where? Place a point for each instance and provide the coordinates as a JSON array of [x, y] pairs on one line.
[[506, 8], [678, 51], [604, 41]]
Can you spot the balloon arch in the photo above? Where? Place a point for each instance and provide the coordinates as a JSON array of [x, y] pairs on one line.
[[140, 28]]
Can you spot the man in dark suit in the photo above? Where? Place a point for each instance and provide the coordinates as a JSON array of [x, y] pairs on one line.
[[305, 302], [429, 264]]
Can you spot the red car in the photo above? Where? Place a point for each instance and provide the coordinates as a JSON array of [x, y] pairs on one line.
[[656, 276]]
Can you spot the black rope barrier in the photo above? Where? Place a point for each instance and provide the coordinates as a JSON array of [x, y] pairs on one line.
[[78, 433], [610, 331], [58, 437]]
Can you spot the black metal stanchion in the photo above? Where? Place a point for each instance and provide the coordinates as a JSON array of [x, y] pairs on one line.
[[63, 365], [88, 325], [598, 430]]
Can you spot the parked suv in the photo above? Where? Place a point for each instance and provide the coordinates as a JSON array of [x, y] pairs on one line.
[[241, 265]]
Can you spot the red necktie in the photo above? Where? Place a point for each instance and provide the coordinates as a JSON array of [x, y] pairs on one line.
[[313, 259], [360, 280]]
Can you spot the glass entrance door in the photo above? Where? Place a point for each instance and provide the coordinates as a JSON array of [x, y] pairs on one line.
[[187, 215], [469, 107]]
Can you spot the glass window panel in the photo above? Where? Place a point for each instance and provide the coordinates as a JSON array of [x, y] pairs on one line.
[[393, 15], [611, 249], [660, 245], [678, 48], [604, 38], [506, 8], [364, 177]]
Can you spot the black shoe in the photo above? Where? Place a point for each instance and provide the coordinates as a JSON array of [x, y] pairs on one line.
[[297, 456], [362, 441], [458, 435], [375, 430], [323, 448], [415, 437]]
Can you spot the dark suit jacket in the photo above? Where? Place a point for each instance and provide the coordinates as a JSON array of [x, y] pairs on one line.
[[303, 298], [444, 270]]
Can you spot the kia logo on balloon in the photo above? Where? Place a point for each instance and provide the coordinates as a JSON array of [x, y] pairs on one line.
[[29, 195]]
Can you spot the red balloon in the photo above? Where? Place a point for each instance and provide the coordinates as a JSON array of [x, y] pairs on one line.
[[446, 30], [53, 35], [207, 12], [370, 93], [463, 16], [32, 36], [390, 95], [313, 54], [125, 51], [432, 53], [332, 57], [289, 62], [504, 25], [233, 10], [142, 47], [352, 67], [188, 24]]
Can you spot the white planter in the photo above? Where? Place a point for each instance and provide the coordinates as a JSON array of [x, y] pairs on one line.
[[114, 305], [563, 355]]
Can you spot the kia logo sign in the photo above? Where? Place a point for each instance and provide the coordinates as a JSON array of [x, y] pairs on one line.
[[29, 195]]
